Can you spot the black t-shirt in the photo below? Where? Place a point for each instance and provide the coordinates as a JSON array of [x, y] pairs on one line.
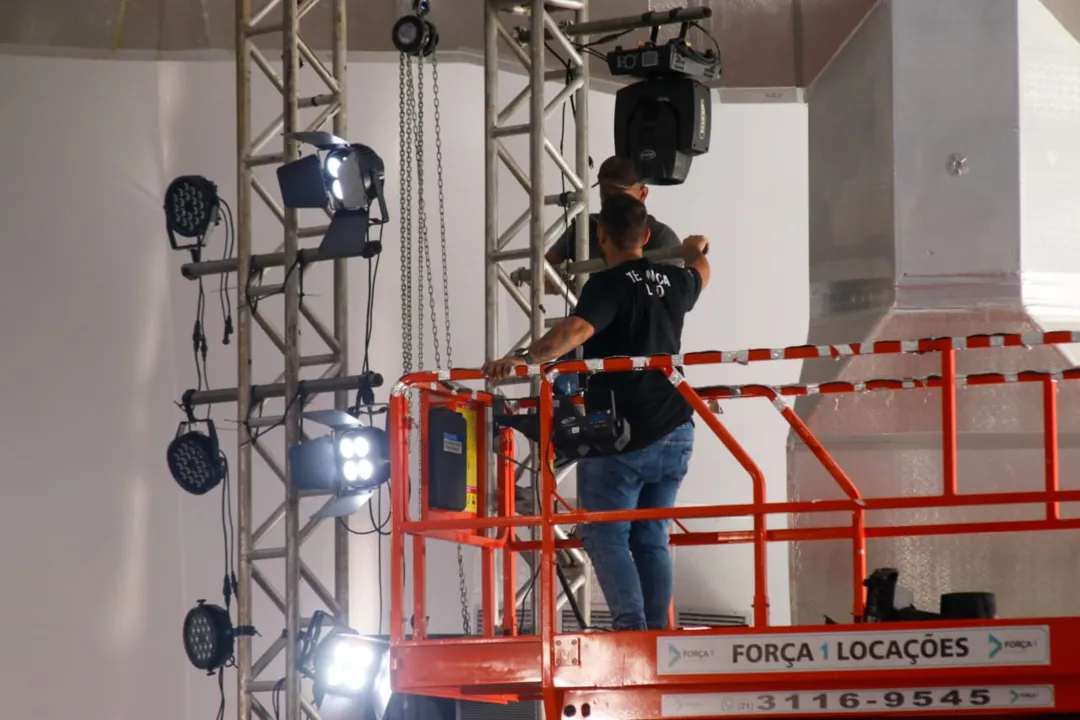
[[660, 236], [637, 308]]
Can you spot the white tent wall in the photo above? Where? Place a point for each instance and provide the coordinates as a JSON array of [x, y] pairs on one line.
[[102, 553]]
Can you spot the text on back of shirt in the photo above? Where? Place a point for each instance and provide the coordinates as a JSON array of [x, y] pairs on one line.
[[656, 282]]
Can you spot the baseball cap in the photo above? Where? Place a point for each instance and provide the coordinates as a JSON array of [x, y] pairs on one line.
[[617, 172]]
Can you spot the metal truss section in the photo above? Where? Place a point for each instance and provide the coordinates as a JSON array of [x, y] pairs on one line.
[[546, 20], [299, 67]]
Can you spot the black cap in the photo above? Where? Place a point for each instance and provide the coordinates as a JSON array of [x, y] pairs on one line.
[[617, 172]]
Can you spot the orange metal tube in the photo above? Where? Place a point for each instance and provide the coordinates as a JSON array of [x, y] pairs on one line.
[[1050, 444], [1040, 497], [858, 515], [506, 507], [948, 421], [757, 478], [547, 545], [399, 493]]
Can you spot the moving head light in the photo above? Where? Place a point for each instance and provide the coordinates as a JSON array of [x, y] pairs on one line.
[[663, 122]]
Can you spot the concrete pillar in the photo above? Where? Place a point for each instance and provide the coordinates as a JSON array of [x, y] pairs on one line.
[[945, 201]]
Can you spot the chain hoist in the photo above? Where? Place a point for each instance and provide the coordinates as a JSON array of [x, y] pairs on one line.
[[411, 109]]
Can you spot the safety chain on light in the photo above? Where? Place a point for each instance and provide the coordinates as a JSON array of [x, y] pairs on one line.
[[411, 129]]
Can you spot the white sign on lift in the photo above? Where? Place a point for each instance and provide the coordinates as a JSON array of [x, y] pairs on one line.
[[811, 652]]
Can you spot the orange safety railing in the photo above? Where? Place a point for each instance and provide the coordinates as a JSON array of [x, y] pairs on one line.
[[477, 530]]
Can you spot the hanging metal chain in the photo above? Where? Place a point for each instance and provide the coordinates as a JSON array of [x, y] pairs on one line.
[[406, 125], [422, 228], [421, 209], [412, 136], [442, 205]]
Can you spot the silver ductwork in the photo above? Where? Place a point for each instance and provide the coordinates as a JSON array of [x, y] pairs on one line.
[[944, 172]]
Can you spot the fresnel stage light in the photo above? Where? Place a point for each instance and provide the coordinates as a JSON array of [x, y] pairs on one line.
[[346, 178], [352, 461], [355, 669]]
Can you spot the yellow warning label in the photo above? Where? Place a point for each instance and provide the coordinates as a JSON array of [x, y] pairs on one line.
[[470, 459]]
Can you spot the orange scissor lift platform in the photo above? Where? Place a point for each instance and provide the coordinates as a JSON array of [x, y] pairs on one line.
[[976, 668]]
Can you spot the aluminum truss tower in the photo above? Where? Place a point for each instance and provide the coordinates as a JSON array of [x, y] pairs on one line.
[[273, 19], [500, 123]]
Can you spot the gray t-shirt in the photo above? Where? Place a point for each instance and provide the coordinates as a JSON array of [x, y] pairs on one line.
[[660, 236]]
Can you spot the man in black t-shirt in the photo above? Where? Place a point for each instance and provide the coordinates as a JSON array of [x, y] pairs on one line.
[[616, 177], [635, 308]]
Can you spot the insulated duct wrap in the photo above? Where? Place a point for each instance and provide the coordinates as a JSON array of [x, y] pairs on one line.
[[944, 161]]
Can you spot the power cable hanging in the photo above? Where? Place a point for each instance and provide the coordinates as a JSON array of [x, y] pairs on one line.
[[412, 129]]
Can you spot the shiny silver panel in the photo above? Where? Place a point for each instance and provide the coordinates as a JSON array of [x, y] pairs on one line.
[[937, 149]]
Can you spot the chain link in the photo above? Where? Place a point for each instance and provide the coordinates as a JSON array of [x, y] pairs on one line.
[[442, 205], [412, 136], [422, 228], [406, 122]]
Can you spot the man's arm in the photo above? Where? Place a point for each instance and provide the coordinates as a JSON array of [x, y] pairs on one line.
[[569, 334], [695, 248], [557, 253], [595, 311]]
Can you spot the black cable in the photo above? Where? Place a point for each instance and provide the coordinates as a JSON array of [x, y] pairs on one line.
[[223, 288], [373, 279], [221, 694], [612, 37], [378, 525], [275, 698], [709, 35], [255, 433], [199, 344]]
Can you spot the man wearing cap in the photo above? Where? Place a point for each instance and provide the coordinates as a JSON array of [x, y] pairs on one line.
[[616, 176]]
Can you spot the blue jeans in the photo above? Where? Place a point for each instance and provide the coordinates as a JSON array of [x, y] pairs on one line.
[[631, 560]]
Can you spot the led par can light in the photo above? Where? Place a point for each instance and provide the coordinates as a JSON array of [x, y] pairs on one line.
[[192, 207], [194, 458], [208, 636]]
